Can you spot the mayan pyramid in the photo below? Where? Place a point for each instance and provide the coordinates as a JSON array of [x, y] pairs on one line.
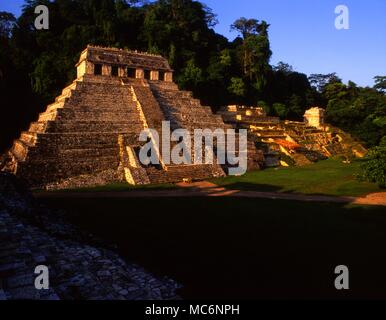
[[89, 135]]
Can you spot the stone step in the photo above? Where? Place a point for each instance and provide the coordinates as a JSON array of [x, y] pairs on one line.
[[105, 80], [29, 138], [272, 136], [162, 85], [55, 106], [180, 115], [69, 89], [179, 173], [38, 127], [42, 171], [107, 102], [172, 94], [94, 126], [123, 108], [20, 149], [54, 164], [100, 87], [80, 139], [99, 115], [268, 133], [197, 112], [211, 127], [61, 98], [104, 98], [86, 152], [182, 102], [200, 120], [109, 93], [47, 116], [205, 122], [260, 121]]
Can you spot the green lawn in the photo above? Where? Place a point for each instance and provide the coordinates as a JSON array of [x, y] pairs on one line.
[[328, 177]]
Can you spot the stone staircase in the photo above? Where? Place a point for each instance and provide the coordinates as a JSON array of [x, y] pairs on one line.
[[184, 111], [154, 113], [179, 173]]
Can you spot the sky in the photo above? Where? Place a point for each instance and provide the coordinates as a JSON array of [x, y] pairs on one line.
[[303, 33]]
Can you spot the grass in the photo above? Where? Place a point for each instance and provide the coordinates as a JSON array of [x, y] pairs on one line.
[[243, 248], [328, 177]]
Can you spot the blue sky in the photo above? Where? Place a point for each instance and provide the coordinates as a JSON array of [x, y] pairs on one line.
[[303, 33]]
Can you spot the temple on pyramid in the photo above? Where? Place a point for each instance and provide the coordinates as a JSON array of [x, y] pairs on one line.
[[90, 135]]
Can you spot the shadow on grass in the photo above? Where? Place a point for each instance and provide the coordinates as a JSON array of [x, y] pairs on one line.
[[258, 187], [247, 186], [243, 248]]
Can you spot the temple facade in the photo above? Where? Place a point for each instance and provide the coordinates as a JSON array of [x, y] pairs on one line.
[[123, 63]]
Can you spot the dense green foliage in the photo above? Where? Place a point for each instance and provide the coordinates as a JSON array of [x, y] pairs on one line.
[[360, 111], [36, 64], [374, 167]]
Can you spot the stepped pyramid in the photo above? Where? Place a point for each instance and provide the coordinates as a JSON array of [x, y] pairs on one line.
[[90, 135]]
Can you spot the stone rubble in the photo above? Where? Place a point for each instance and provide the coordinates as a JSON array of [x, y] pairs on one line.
[[79, 268]]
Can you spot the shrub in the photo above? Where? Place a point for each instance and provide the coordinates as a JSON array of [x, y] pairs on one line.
[[374, 166]]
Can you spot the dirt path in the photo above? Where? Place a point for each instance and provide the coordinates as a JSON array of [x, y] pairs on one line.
[[372, 199], [207, 189]]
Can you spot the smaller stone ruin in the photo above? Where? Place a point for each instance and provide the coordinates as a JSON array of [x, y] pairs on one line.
[[290, 142]]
